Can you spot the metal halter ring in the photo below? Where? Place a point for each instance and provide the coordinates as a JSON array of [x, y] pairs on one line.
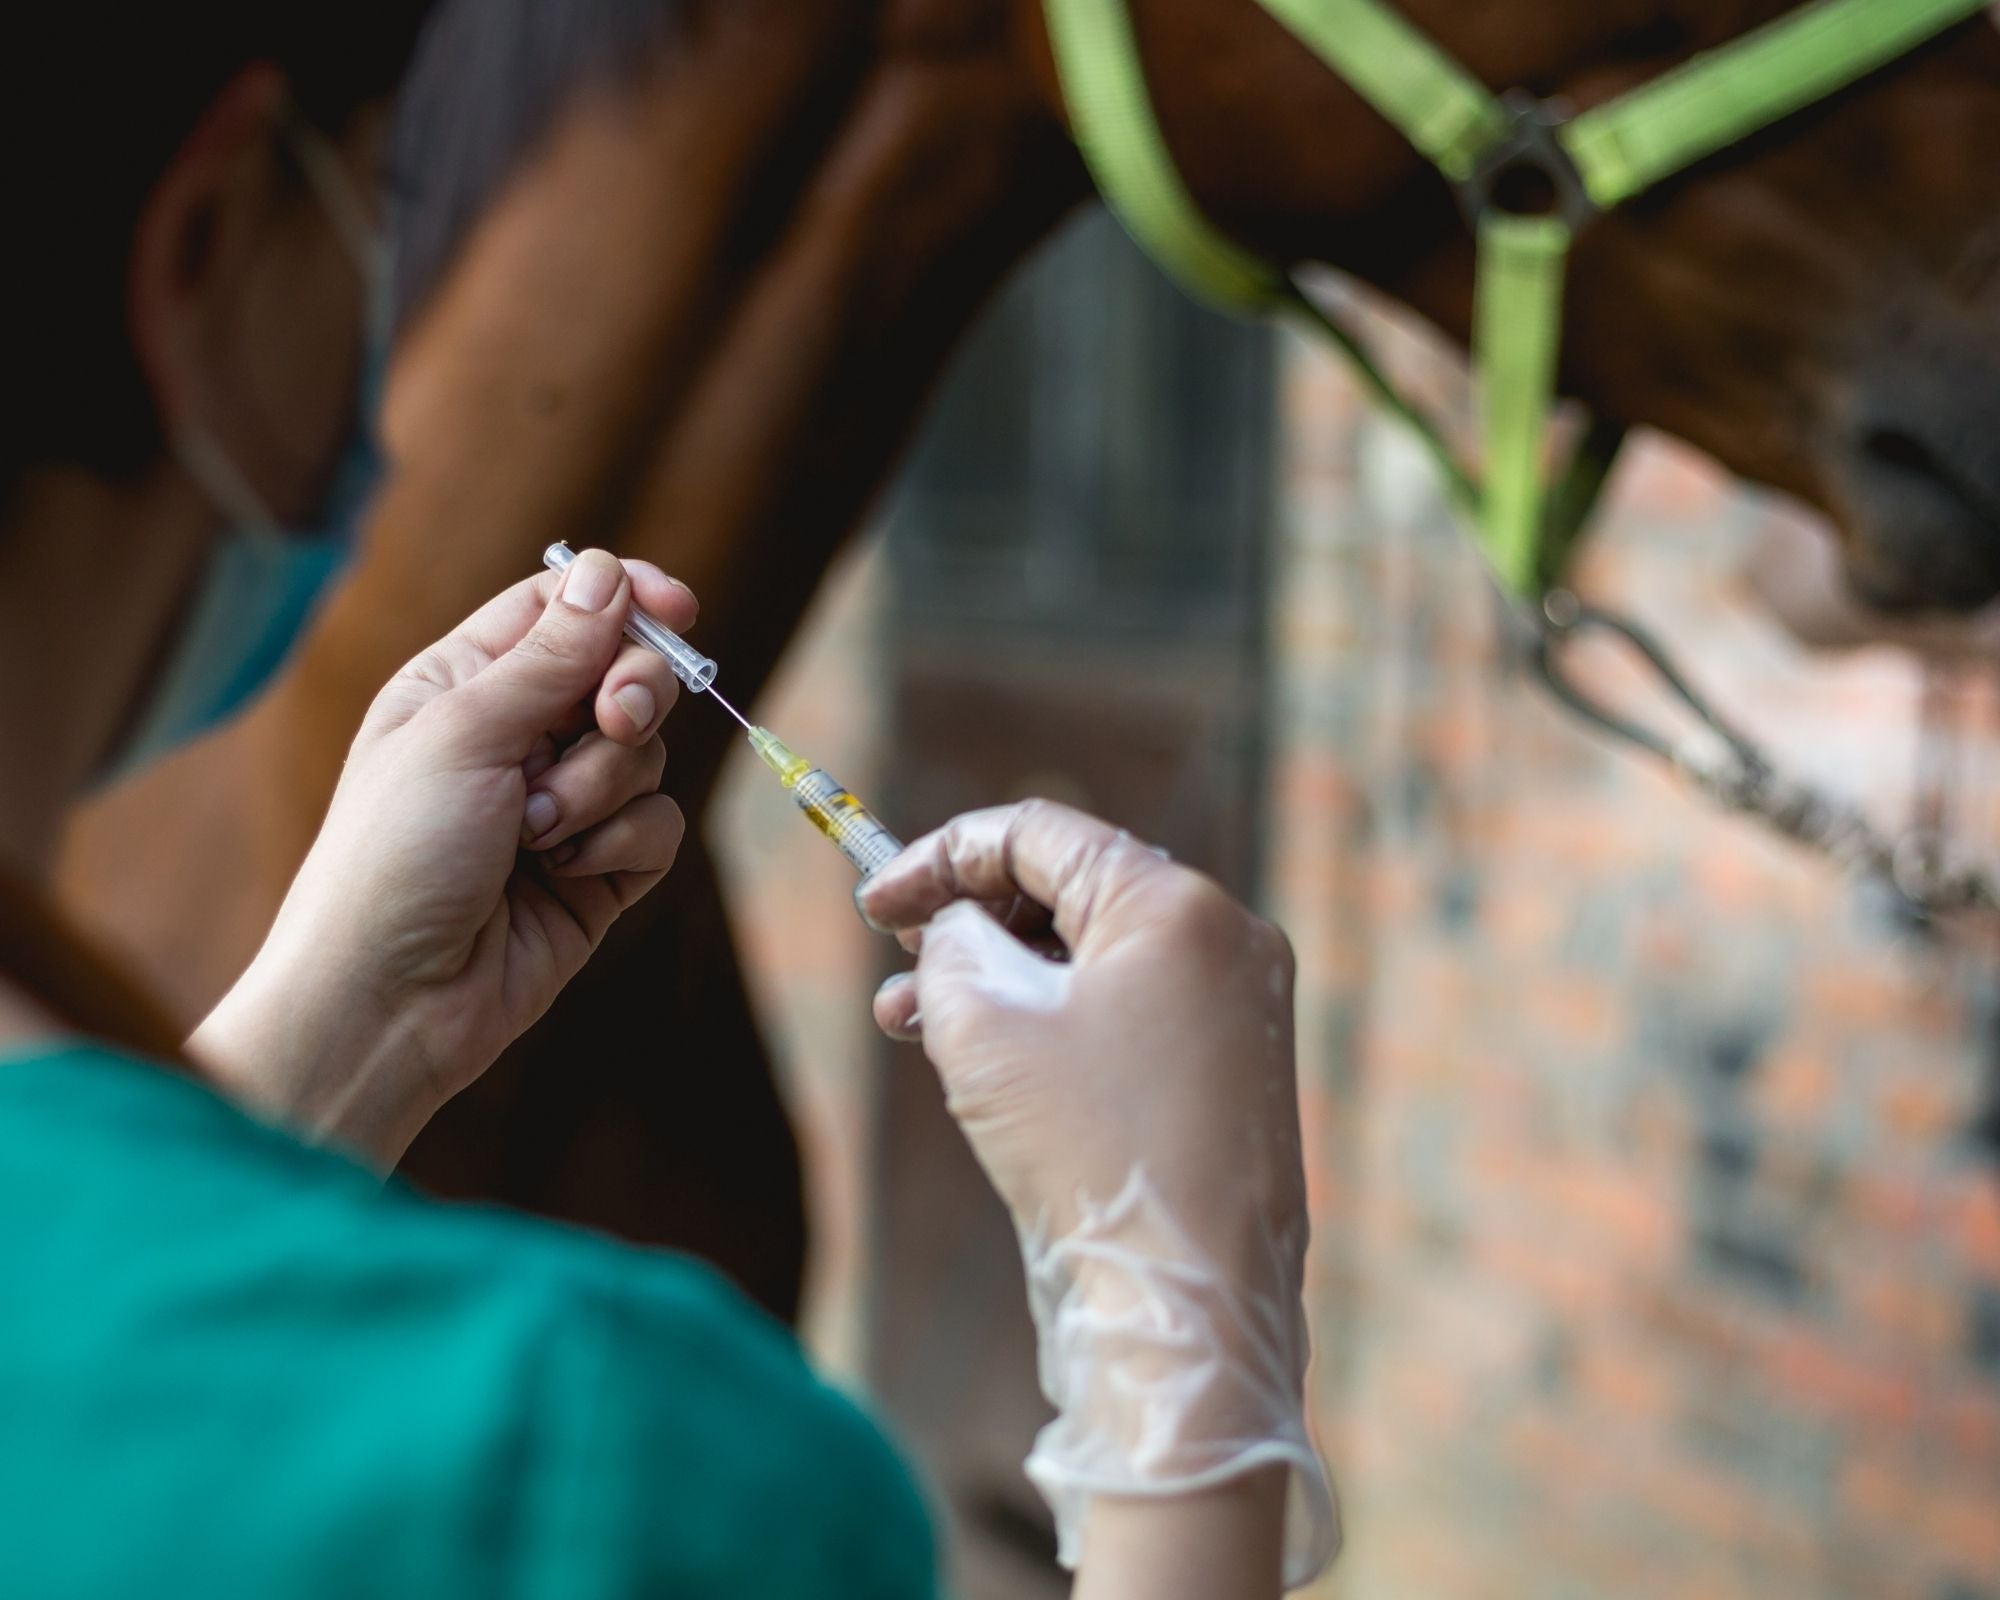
[[1531, 143]]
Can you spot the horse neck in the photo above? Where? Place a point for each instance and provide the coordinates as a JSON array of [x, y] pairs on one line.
[[698, 327]]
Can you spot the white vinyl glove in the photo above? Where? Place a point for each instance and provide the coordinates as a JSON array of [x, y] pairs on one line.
[[1136, 1107]]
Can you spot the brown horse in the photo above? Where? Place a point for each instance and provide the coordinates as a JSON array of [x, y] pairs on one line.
[[698, 322]]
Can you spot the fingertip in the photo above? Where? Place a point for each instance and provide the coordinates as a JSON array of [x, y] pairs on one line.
[[672, 824], [895, 1008], [899, 894], [635, 697], [594, 580], [669, 599], [540, 814], [861, 906], [639, 708]]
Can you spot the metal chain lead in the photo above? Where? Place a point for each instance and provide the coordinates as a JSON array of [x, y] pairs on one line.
[[1734, 772], [1916, 861]]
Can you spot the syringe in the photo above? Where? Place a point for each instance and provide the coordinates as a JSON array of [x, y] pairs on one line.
[[825, 801]]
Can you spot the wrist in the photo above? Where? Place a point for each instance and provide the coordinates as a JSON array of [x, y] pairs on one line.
[[1171, 1373], [309, 1046], [1223, 1541]]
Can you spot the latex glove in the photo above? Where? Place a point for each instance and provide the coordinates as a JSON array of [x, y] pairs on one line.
[[496, 814], [1136, 1107]]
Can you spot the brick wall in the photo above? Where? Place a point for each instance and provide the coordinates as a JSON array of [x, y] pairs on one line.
[[1656, 1192]]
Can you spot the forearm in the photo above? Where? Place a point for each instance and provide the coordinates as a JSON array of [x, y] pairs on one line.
[[1224, 1543]]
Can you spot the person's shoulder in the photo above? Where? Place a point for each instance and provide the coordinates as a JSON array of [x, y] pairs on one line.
[[647, 1424], [685, 1438]]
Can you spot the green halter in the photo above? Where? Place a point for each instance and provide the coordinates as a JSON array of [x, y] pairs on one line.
[[1593, 162]]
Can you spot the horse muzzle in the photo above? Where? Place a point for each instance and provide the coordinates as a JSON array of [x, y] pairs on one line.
[[1917, 489]]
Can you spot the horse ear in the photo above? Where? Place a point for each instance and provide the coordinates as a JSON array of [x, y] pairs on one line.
[[56, 969]]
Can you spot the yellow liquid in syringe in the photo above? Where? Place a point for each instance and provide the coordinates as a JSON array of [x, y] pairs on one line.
[[831, 808]]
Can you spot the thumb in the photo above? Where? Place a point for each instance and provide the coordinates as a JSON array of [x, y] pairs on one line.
[[556, 664]]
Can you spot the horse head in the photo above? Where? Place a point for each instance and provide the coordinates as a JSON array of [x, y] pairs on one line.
[[1818, 307]]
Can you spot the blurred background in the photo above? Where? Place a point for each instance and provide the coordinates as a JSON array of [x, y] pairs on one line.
[[1656, 1166]]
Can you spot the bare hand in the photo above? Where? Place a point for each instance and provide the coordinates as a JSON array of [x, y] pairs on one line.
[[497, 812]]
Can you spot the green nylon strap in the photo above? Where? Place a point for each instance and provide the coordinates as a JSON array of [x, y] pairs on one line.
[[1517, 324], [1446, 113], [1567, 506], [1724, 95], [1620, 148], [1111, 118]]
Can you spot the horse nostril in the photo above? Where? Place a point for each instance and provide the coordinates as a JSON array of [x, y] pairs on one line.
[[1905, 452], [1927, 527]]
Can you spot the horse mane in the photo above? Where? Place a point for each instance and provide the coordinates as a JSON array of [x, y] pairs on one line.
[[486, 85], [46, 959]]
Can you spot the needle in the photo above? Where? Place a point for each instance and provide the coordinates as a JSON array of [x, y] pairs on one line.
[[726, 706]]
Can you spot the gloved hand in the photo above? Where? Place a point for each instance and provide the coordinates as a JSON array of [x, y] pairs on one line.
[[1136, 1108], [496, 814]]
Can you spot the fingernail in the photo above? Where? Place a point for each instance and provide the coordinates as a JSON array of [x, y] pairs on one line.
[[563, 854], [636, 701], [540, 814], [861, 906], [591, 581], [912, 1027]]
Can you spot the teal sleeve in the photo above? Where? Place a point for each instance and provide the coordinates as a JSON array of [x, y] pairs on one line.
[[688, 1453]]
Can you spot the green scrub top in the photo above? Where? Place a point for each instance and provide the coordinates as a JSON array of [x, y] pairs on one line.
[[234, 1365]]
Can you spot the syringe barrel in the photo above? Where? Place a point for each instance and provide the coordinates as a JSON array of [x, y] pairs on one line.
[[692, 667], [852, 827]]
